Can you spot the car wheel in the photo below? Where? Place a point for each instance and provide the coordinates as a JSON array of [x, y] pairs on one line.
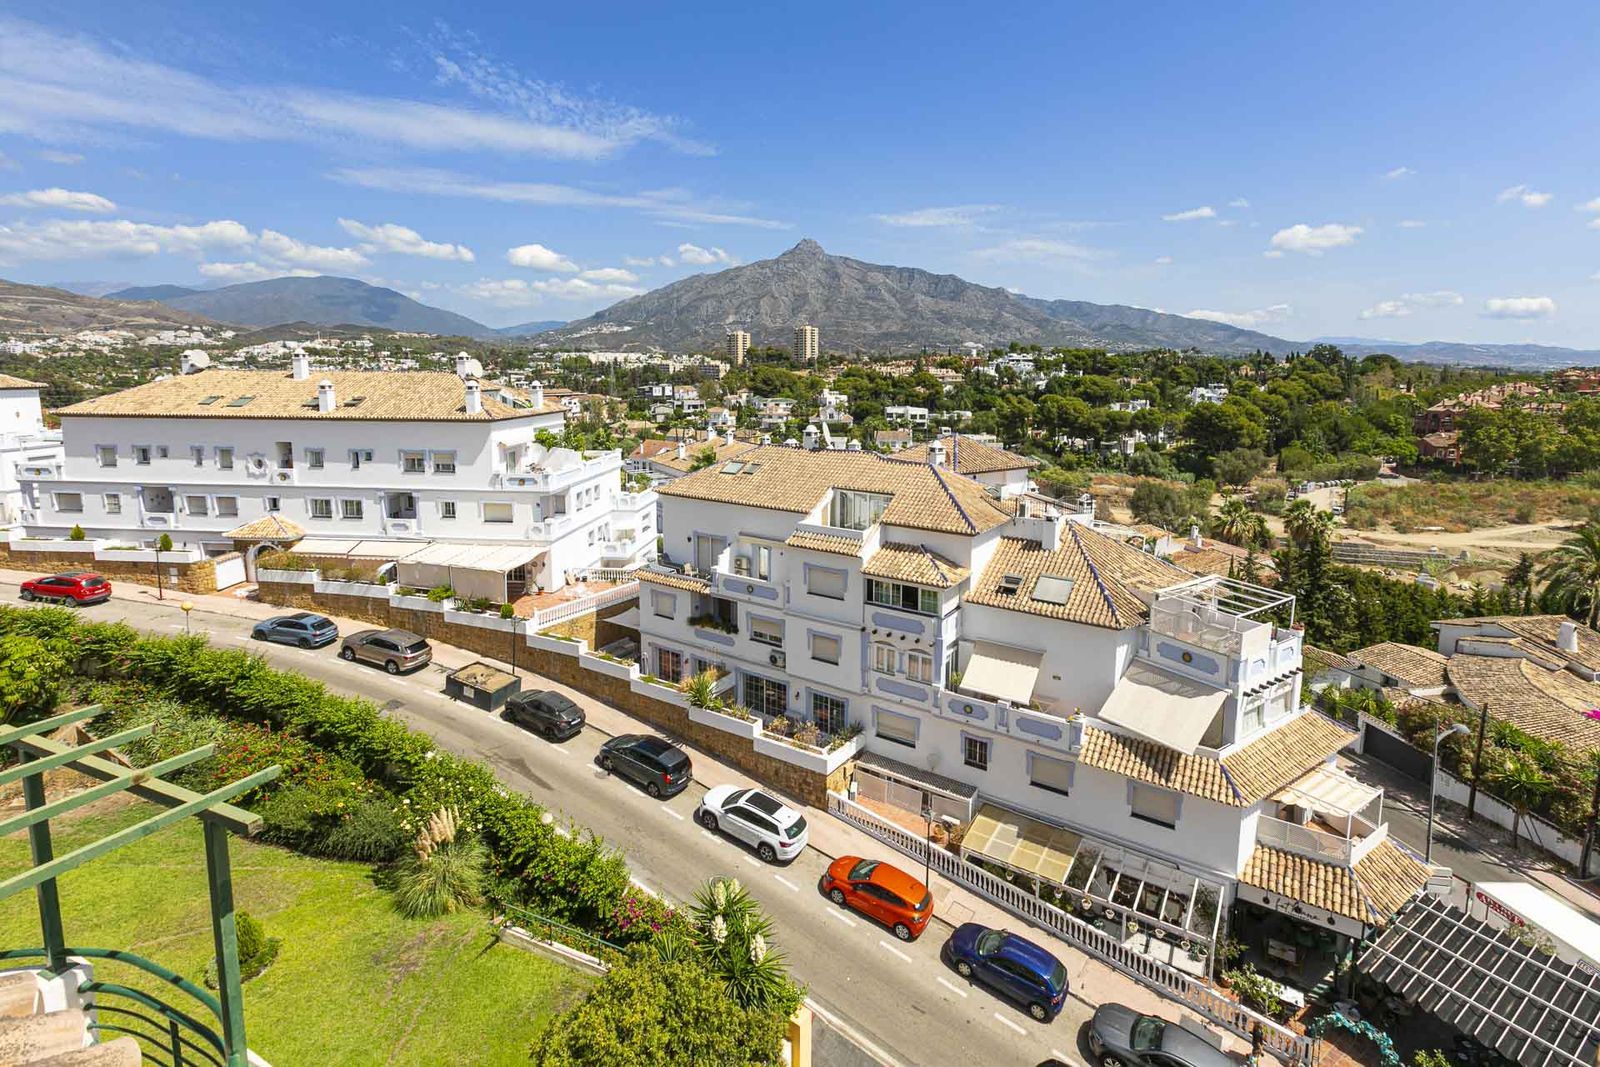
[[963, 968], [391, 666], [304, 642], [605, 763], [347, 654], [653, 789], [708, 820], [258, 635], [837, 896], [767, 853], [1109, 1060], [1039, 1011], [902, 931], [27, 595]]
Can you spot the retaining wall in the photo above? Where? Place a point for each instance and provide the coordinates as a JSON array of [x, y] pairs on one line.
[[198, 576]]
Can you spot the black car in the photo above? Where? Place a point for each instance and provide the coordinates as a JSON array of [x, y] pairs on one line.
[[548, 714], [1121, 1037], [304, 630], [656, 764]]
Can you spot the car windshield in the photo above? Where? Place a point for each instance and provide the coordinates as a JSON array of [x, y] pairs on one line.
[[415, 647], [989, 941], [1147, 1033], [1058, 976], [795, 829], [863, 869]]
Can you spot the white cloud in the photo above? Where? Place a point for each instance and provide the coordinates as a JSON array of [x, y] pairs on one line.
[[61, 239], [250, 271], [1206, 212], [519, 292], [648, 261], [1238, 201], [1409, 303], [1037, 250], [1398, 172], [663, 204], [1247, 320], [66, 159], [701, 257], [60, 199], [609, 274], [1591, 206], [1162, 261], [538, 257], [292, 252], [1412, 224], [1272, 253], [1519, 307], [403, 241], [959, 215], [1314, 240], [1525, 196]]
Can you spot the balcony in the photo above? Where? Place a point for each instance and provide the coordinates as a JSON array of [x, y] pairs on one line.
[[1222, 630], [549, 530], [1327, 816], [635, 501], [542, 480]]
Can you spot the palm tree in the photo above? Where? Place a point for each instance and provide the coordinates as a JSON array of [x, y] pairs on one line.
[[1233, 521], [1572, 571], [1304, 523], [1520, 580], [1522, 785]]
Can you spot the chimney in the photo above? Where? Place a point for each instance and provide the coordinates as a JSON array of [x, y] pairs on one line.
[[711, 433], [728, 436], [683, 448], [1194, 536], [936, 453], [812, 437], [300, 366], [326, 401], [474, 397], [1567, 637], [536, 393], [467, 367]]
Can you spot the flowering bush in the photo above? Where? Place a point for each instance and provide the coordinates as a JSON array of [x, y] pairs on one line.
[[639, 916]]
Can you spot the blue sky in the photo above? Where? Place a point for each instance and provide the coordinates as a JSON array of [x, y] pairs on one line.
[[1408, 171]]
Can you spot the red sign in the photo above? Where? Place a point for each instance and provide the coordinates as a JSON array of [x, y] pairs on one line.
[[1498, 908]]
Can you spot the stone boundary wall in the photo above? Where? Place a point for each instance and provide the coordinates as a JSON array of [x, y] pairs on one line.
[[195, 577]]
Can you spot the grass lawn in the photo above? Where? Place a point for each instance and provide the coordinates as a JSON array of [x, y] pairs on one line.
[[354, 982]]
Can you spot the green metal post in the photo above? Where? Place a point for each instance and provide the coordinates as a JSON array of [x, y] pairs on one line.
[[225, 940], [49, 900]]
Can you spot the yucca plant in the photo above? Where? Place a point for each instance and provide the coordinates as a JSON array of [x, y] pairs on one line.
[[701, 689], [734, 937]]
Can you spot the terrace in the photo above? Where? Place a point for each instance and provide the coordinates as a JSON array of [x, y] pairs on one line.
[[1327, 816], [1231, 619]]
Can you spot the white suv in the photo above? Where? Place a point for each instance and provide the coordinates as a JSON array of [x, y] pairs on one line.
[[774, 830]]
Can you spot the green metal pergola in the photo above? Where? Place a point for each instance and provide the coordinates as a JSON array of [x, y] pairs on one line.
[[38, 754]]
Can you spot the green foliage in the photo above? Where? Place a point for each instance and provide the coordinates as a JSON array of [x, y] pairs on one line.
[[703, 458], [1572, 572], [701, 689], [507, 611], [285, 561], [164, 543], [1160, 505], [1431, 1058], [1239, 466], [76, 533], [339, 819], [733, 937], [447, 878], [1256, 989], [440, 593], [256, 949]]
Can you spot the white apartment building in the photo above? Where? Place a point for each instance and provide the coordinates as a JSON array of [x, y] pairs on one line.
[[1019, 671], [984, 461], [215, 457], [807, 344], [1208, 394], [25, 445], [906, 415], [834, 407], [738, 346]]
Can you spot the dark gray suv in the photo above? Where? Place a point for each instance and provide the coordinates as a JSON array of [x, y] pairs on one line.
[[1121, 1037]]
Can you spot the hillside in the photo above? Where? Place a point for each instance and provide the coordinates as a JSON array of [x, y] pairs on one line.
[[323, 301], [152, 292], [528, 329], [36, 309]]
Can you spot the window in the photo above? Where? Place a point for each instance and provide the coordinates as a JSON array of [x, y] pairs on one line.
[[228, 506], [320, 508], [975, 752], [1051, 775], [273, 504], [1254, 716], [497, 513], [823, 582], [447, 509], [761, 562], [903, 597], [413, 462], [764, 696], [225, 458], [444, 463], [884, 659], [162, 452], [663, 605], [196, 505], [856, 511], [766, 631], [893, 726], [198, 454], [106, 454], [69, 501], [919, 667], [141, 455], [669, 664], [355, 459], [315, 458], [350, 509], [825, 648], [706, 551], [113, 503], [829, 712], [1152, 805]]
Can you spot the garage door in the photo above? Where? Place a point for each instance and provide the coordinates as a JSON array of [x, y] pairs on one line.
[[230, 571], [1396, 752]]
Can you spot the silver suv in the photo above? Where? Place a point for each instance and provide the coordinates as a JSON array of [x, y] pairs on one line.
[[393, 650]]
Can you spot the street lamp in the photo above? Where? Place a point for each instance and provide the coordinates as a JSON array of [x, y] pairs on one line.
[[927, 845], [1433, 781], [186, 607]]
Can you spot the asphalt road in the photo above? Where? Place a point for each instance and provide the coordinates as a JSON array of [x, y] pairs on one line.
[[899, 1001]]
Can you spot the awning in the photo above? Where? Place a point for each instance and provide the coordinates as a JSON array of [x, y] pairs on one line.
[[1021, 843], [472, 570], [356, 549], [1165, 708], [1001, 671], [628, 619], [1328, 789]]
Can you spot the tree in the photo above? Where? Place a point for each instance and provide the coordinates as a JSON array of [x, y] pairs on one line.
[[1572, 572], [163, 544], [1304, 523], [1216, 428], [703, 458], [1160, 505], [1238, 525], [1238, 466], [1519, 583], [1523, 785], [1013, 418]]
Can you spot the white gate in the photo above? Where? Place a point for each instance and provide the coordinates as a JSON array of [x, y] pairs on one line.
[[230, 570]]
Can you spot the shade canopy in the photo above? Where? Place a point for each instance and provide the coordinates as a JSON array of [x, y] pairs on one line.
[[628, 619], [355, 548], [472, 570], [1165, 708], [1328, 789], [1002, 672], [1021, 843]]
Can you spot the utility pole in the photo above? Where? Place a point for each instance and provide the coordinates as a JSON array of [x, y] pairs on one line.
[[1477, 761]]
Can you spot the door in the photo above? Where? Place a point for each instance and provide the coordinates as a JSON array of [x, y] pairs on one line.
[[627, 764], [737, 821], [874, 901]]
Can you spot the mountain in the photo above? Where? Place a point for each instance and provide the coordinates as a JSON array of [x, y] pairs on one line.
[[323, 301], [151, 292], [869, 306], [1517, 357], [89, 288], [40, 309], [528, 329]]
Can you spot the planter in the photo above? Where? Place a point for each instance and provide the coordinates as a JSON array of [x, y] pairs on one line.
[[727, 723], [286, 577], [368, 589], [421, 603]]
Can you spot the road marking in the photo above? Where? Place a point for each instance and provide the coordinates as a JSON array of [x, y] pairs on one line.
[[788, 884], [674, 814], [1062, 1056], [709, 836], [861, 1040], [957, 990], [842, 917], [884, 944], [1009, 1023]]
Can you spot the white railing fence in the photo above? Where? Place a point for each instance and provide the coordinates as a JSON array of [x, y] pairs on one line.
[[583, 605], [1186, 989]]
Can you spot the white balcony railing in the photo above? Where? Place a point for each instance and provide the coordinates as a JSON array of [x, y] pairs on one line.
[[1292, 837]]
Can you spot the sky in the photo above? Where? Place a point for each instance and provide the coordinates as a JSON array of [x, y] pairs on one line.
[[1410, 172]]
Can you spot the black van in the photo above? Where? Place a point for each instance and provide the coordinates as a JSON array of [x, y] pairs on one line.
[[652, 762]]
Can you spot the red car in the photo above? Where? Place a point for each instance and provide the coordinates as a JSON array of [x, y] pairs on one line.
[[880, 892], [69, 587]]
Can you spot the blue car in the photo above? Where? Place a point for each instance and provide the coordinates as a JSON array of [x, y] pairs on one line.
[[1012, 966], [303, 630]]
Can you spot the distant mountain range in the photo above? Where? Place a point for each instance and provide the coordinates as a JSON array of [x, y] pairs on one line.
[[528, 329], [322, 300], [151, 292], [36, 309]]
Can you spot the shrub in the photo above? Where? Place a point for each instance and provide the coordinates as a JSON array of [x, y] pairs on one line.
[[76, 534], [507, 611], [440, 593], [445, 872], [701, 689], [284, 561], [256, 949], [336, 820]]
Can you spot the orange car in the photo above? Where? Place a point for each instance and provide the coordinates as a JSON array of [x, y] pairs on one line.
[[880, 892]]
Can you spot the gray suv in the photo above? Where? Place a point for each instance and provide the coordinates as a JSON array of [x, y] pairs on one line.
[[393, 650]]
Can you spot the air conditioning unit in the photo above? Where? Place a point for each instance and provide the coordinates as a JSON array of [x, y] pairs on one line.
[[775, 658], [741, 566]]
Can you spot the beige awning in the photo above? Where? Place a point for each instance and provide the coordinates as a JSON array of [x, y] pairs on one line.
[[1021, 843], [356, 548], [628, 619], [1001, 672], [1328, 789], [472, 570], [1165, 708]]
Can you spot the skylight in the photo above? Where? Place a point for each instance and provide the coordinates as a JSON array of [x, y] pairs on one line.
[[1010, 584], [240, 401], [733, 467], [354, 402], [1052, 589], [209, 399]]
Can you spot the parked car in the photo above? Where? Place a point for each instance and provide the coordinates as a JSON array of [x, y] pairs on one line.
[[882, 892], [1121, 1037], [774, 830], [657, 765], [548, 714], [68, 587], [393, 650], [303, 630], [1012, 966]]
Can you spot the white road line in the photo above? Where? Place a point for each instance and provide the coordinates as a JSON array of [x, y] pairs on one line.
[[709, 836], [674, 814], [842, 917], [786, 883], [1062, 1056], [957, 990], [885, 945], [1008, 1022]]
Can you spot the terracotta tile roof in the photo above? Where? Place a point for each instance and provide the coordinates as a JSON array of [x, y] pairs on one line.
[[675, 581], [1319, 659], [1238, 779], [1538, 633], [916, 564], [966, 455], [838, 546], [8, 381], [1205, 561], [664, 453], [430, 396], [1419, 668], [1372, 891], [796, 480], [1552, 705], [267, 528], [1107, 577]]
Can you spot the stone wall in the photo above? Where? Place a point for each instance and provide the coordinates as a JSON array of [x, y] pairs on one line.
[[197, 577]]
